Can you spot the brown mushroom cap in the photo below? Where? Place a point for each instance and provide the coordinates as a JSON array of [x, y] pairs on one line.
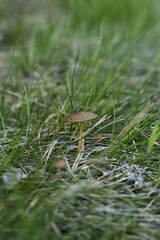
[[59, 163], [81, 117]]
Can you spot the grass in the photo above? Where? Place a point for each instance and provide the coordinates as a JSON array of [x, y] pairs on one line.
[[60, 57]]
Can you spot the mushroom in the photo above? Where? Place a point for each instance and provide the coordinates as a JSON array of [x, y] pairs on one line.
[[60, 164], [81, 117]]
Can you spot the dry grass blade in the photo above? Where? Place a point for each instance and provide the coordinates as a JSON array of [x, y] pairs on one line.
[[48, 151], [79, 157], [3, 137]]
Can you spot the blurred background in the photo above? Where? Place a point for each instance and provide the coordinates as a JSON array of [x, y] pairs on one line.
[[43, 31]]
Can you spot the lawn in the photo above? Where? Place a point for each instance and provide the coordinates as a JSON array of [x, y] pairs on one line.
[[60, 57]]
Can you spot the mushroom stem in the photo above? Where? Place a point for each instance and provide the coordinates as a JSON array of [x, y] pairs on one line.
[[80, 136]]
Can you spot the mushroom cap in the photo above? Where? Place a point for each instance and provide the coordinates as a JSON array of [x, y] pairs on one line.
[[81, 117], [59, 163]]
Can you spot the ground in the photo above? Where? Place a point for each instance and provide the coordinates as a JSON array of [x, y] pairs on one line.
[[60, 57]]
